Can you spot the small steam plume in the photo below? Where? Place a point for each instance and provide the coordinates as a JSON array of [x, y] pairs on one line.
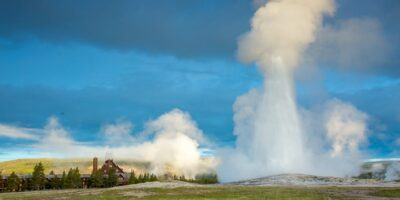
[[345, 127], [271, 138], [393, 172]]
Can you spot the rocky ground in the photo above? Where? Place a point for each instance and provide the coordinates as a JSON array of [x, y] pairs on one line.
[[311, 180]]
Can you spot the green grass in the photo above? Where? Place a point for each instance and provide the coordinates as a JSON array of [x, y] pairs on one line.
[[209, 193], [387, 193], [234, 193], [173, 193]]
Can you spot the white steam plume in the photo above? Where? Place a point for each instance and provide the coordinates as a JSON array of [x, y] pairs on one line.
[[270, 133], [345, 127], [393, 172], [281, 31]]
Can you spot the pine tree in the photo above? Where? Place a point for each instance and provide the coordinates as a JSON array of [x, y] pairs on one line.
[[73, 179], [140, 179], [1, 180], [182, 178], [69, 179], [38, 177], [56, 182], [147, 177], [153, 177], [24, 184], [112, 179], [96, 179], [64, 182], [132, 178], [76, 179], [13, 182]]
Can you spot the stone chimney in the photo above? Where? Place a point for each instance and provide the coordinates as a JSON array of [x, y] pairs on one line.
[[95, 160]]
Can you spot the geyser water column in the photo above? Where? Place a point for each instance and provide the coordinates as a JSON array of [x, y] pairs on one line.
[[270, 137], [278, 135]]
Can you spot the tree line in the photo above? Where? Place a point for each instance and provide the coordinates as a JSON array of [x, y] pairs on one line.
[[200, 179], [72, 179], [68, 180], [142, 178]]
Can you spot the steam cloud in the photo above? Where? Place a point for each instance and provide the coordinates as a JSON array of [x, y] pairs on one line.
[[345, 127], [271, 137], [172, 139]]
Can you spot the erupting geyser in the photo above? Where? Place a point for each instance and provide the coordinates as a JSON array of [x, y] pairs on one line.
[[277, 129], [270, 135]]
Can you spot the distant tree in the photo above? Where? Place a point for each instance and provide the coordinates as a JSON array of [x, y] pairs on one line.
[[145, 179], [38, 177], [13, 182], [153, 177], [73, 179], [64, 181], [206, 179], [182, 178], [77, 178], [96, 179], [25, 184], [140, 179], [68, 180], [54, 182], [112, 178], [175, 177], [132, 178], [1, 180]]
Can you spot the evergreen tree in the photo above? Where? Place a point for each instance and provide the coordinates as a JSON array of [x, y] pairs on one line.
[[64, 180], [146, 177], [13, 182], [69, 178], [206, 179], [112, 178], [56, 182], [96, 179], [38, 177], [140, 179], [76, 179], [132, 178], [73, 179], [153, 177], [50, 182], [1, 180], [24, 184]]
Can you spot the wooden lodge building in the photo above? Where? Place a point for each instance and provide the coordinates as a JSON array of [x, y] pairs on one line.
[[106, 167]]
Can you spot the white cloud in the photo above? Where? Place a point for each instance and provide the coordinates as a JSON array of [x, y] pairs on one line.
[[18, 133], [118, 133]]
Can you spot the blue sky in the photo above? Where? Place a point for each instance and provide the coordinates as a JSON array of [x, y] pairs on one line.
[[95, 62]]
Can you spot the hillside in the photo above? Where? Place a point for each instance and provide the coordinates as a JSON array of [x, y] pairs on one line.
[[25, 166]]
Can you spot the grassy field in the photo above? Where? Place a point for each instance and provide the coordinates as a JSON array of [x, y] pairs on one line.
[[212, 192]]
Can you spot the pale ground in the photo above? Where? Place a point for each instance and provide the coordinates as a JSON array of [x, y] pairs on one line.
[[184, 190]]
